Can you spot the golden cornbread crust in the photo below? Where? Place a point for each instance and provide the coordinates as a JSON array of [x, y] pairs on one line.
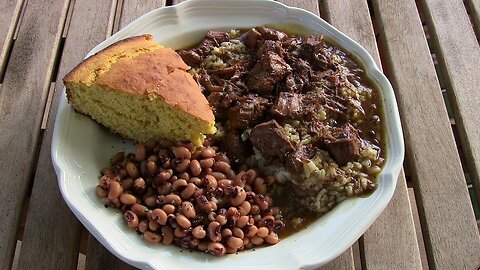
[[141, 90]]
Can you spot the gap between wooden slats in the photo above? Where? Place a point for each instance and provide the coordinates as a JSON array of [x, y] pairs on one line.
[[57, 232], [97, 256], [23, 96], [443, 202], [11, 14], [458, 55], [353, 18], [473, 9]]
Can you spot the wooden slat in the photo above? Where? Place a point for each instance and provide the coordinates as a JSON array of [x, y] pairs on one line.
[[22, 99], [133, 9], [458, 55], [474, 8], [10, 10], [444, 204], [345, 260], [99, 257], [353, 18], [58, 226]]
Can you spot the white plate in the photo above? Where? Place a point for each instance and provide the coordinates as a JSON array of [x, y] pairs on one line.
[[81, 147]]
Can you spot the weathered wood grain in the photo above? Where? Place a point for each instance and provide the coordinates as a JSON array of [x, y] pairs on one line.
[[473, 6], [22, 100], [345, 260], [458, 54], [10, 10], [57, 232], [448, 223], [353, 18], [99, 257]]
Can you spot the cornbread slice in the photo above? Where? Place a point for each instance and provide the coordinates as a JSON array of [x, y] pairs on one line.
[[141, 90]]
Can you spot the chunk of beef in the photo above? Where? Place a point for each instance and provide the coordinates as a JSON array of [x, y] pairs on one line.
[[311, 45], [270, 46], [272, 34], [224, 73], [298, 106], [247, 112], [207, 82], [250, 38], [237, 149], [346, 146], [221, 102], [217, 36], [288, 105], [270, 69], [301, 155], [191, 57], [271, 141]]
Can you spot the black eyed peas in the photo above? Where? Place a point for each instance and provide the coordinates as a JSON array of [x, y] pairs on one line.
[[192, 198]]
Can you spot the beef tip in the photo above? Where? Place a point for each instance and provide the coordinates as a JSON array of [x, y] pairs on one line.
[[300, 156], [191, 57], [206, 81], [270, 69], [247, 112], [235, 148], [270, 46], [287, 105], [311, 45], [346, 145], [224, 73], [298, 106], [221, 102], [250, 38], [272, 34], [271, 141], [217, 36]]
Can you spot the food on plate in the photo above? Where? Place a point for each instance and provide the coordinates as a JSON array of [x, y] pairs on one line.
[[141, 90], [297, 107], [298, 130], [175, 193]]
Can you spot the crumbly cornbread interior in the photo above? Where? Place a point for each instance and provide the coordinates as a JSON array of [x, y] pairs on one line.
[[141, 90]]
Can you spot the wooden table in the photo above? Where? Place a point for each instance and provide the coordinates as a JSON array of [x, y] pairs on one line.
[[429, 49]]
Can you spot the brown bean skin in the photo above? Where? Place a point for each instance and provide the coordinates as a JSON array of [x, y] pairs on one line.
[[221, 166], [203, 203], [153, 225], [139, 209], [213, 231], [165, 188], [183, 221], [179, 232], [151, 167], [242, 221], [211, 182], [259, 186], [168, 208], [252, 174], [237, 232], [151, 237], [256, 240], [160, 216], [179, 184], [234, 242], [140, 152], [216, 248], [128, 199], [219, 175], [188, 191], [143, 226], [238, 196], [221, 219], [168, 236], [226, 232], [244, 208], [195, 168], [251, 230], [262, 232], [150, 201], [183, 165], [170, 199], [181, 152], [139, 185], [126, 183], [208, 152], [101, 192], [188, 210], [114, 190], [272, 238], [132, 170], [198, 232], [207, 163], [131, 219], [203, 246]]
